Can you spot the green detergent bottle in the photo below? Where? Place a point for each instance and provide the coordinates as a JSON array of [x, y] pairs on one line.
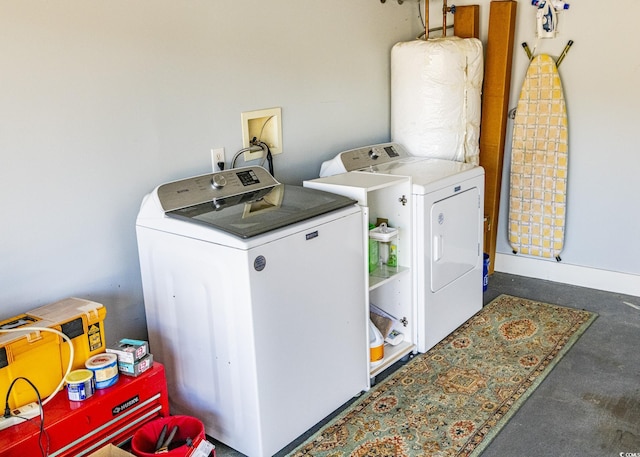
[[374, 254]]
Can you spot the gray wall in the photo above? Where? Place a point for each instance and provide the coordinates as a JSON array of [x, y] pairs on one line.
[[600, 80], [101, 101]]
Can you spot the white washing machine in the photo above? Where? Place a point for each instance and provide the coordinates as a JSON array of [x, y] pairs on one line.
[[254, 297], [448, 223]]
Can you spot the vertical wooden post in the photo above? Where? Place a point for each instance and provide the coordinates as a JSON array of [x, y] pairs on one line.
[[495, 100]]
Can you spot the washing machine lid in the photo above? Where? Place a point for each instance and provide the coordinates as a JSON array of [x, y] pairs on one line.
[[427, 173], [245, 201], [393, 159]]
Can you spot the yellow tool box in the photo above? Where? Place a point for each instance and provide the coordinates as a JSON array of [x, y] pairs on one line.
[[43, 357], [82, 321]]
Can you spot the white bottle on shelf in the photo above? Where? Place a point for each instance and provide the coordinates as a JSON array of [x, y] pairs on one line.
[[376, 345]]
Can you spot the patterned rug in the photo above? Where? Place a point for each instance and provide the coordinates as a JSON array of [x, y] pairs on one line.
[[452, 400]]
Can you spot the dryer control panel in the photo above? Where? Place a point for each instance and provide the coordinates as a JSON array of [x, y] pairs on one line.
[[368, 156], [246, 182]]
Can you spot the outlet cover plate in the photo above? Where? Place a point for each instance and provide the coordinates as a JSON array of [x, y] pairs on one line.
[[266, 126]]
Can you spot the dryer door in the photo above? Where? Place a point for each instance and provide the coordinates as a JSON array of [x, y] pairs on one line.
[[455, 247]]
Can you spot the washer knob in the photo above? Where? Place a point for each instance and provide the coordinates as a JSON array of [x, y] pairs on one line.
[[218, 181], [373, 154]]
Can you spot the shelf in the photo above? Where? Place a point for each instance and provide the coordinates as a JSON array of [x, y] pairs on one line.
[[391, 355], [383, 275], [390, 289]]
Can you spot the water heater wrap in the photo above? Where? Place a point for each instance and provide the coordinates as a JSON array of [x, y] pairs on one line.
[[436, 90]]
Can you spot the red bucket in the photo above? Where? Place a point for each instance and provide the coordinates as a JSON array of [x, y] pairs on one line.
[[145, 439]]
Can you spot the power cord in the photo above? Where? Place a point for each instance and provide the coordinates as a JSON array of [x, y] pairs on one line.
[[7, 411], [254, 143], [268, 156], [264, 146], [251, 148], [7, 414]]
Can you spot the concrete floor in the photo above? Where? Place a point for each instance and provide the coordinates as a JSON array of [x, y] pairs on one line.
[[589, 405]]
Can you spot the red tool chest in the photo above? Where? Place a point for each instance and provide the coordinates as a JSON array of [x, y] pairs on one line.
[[111, 415]]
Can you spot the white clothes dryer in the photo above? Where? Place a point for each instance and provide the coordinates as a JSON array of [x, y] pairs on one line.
[[448, 221]]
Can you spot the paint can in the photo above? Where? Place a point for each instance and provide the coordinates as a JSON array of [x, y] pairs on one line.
[[104, 368], [80, 385]]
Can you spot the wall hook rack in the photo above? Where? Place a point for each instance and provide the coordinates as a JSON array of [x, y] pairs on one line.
[[525, 46]]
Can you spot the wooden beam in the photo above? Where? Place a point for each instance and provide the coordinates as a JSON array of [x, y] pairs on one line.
[[466, 21], [495, 100]]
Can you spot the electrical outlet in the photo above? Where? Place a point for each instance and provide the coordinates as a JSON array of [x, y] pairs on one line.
[[217, 158], [264, 125]]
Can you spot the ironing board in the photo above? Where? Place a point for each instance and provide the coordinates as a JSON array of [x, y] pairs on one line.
[[539, 156]]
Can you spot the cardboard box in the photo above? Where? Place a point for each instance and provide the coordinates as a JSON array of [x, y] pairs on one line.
[[129, 351], [201, 448], [136, 368], [110, 451]]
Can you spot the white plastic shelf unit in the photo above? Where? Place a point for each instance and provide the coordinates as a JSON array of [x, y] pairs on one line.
[[387, 197]]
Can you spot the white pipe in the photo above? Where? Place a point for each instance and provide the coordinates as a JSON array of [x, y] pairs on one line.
[[64, 337]]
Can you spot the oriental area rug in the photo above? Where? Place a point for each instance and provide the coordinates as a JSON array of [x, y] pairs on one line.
[[453, 399]]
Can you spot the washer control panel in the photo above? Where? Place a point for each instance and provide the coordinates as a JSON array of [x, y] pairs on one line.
[[368, 156], [212, 187]]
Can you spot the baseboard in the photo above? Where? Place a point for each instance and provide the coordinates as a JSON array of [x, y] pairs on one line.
[[612, 281]]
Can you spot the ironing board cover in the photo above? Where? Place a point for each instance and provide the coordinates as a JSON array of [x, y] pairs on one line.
[[539, 156]]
